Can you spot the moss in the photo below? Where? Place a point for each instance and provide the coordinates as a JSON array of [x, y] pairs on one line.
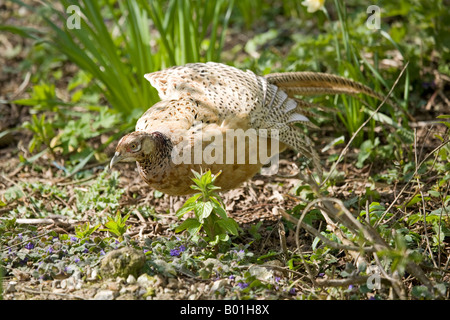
[[122, 262]]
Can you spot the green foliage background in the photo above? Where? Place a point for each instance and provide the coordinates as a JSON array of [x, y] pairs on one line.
[[86, 89]]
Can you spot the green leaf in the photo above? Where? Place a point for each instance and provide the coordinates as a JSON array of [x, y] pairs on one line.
[[218, 238], [440, 211], [191, 225], [83, 162], [434, 193], [158, 194], [188, 206], [22, 31], [203, 210], [85, 230], [229, 225], [315, 243], [218, 208], [417, 198], [367, 148], [334, 142], [421, 292]]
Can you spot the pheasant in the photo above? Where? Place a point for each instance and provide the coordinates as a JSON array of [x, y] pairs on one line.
[[203, 104]]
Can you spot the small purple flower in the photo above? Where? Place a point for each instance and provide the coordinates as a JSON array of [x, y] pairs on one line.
[[292, 291], [86, 250], [76, 260], [50, 250], [73, 239], [321, 274], [177, 251], [350, 287], [242, 285], [146, 250], [231, 277], [20, 236], [29, 246], [102, 252], [277, 279]]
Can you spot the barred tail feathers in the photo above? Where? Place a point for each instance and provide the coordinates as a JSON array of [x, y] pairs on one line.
[[316, 83]]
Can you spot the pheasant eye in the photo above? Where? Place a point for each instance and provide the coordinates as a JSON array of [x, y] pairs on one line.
[[134, 147]]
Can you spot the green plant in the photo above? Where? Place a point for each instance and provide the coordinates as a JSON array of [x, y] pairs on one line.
[[103, 193], [43, 132], [117, 52], [64, 131], [210, 216], [351, 61], [117, 225], [184, 27], [254, 230], [84, 231]]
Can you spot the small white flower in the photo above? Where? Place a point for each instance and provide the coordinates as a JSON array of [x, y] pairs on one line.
[[313, 5]]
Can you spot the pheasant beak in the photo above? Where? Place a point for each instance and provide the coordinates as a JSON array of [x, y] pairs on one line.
[[117, 158]]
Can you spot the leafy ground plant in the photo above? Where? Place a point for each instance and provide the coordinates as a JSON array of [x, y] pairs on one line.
[[210, 216], [116, 225]]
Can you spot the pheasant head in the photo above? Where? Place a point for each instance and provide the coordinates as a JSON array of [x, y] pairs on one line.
[[148, 149]]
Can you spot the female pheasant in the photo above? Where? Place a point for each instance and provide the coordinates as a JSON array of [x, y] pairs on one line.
[[217, 117]]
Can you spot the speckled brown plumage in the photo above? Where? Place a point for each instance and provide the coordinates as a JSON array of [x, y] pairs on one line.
[[201, 101]]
